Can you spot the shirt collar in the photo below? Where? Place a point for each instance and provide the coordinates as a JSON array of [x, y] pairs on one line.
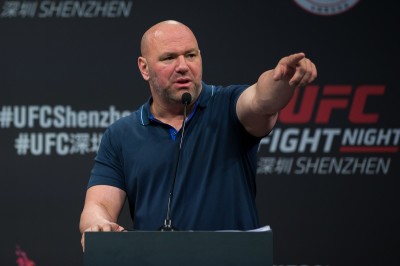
[[206, 93]]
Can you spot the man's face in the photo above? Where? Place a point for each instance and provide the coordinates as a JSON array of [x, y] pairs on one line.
[[174, 64]]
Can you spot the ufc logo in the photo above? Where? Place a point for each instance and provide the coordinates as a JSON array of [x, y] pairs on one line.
[[334, 97]]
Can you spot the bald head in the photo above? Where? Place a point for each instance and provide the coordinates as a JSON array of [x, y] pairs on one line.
[[171, 63], [161, 31]]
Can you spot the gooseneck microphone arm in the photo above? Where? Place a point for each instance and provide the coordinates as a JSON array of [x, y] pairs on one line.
[[186, 99]]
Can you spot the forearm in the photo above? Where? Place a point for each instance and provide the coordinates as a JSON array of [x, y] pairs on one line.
[[258, 106], [274, 88], [271, 96]]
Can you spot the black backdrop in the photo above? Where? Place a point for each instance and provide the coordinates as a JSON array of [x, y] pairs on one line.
[[333, 203]]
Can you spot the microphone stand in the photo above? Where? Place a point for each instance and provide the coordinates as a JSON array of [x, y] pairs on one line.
[[186, 99]]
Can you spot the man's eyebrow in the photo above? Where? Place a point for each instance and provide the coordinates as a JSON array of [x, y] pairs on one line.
[[166, 54]]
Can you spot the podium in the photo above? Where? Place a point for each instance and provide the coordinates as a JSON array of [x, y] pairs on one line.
[[189, 248]]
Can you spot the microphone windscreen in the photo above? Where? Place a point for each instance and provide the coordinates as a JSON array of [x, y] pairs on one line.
[[186, 98]]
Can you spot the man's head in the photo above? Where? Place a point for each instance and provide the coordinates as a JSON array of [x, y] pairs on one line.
[[171, 61]]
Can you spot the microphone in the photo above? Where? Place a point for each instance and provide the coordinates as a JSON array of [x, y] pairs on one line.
[[186, 99]]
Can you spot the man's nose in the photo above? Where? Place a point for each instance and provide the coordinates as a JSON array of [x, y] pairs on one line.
[[181, 65]]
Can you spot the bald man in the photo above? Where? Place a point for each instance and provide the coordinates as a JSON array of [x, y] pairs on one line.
[[187, 164]]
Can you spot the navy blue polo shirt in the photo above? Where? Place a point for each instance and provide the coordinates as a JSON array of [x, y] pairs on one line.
[[215, 180]]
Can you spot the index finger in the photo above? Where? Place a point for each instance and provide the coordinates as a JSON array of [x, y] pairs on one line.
[[294, 59]]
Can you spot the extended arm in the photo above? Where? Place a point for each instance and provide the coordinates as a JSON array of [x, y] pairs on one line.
[[259, 104]]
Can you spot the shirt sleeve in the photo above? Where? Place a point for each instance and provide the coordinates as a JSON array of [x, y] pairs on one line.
[[108, 167]]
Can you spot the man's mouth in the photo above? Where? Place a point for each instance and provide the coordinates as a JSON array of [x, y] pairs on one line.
[[182, 81]]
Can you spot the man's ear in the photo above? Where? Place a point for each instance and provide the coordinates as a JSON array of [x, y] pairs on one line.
[[143, 67]]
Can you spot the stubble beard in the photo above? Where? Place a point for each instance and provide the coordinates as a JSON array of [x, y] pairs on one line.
[[168, 94]]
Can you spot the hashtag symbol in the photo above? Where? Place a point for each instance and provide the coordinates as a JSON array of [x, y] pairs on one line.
[[5, 116], [22, 143]]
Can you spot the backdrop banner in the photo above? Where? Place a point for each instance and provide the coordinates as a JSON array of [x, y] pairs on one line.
[[327, 175]]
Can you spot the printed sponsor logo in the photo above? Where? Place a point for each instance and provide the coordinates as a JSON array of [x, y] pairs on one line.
[[46, 130], [307, 141], [22, 258], [66, 9], [326, 7]]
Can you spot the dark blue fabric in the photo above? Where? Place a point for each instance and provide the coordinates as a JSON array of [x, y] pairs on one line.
[[215, 184]]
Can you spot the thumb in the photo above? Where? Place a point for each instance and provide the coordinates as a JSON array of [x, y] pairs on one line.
[[279, 72], [117, 228], [120, 228]]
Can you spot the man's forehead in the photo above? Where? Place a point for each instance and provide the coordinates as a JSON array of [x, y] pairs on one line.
[[166, 36]]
